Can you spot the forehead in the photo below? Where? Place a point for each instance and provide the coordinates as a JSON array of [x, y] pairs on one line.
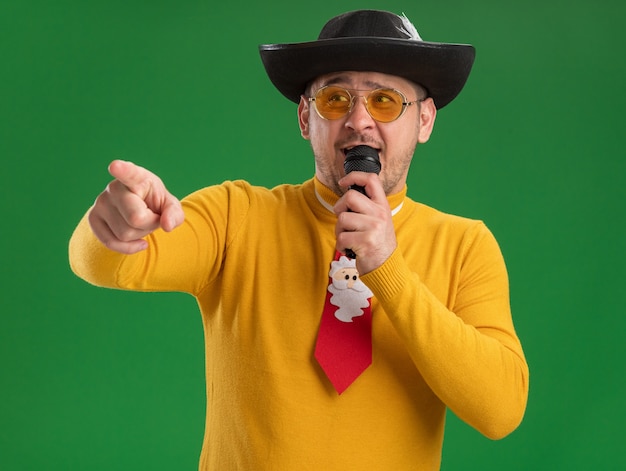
[[363, 81]]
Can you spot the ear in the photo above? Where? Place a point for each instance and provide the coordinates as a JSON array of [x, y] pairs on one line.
[[427, 115], [304, 108]]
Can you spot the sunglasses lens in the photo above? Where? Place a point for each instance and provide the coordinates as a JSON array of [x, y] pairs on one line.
[[385, 105], [333, 102]]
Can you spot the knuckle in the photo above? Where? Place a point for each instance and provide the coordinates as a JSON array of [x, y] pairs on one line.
[[343, 221], [127, 234], [136, 220], [92, 218], [101, 200], [114, 186], [379, 225], [372, 241], [341, 218], [341, 239], [110, 243]]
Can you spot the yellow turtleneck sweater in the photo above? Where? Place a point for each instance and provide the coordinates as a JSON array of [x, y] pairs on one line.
[[257, 262]]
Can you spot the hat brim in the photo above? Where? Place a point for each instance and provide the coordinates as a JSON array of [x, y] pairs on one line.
[[441, 68]]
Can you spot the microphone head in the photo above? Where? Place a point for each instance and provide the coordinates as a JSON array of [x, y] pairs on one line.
[[362, 159]]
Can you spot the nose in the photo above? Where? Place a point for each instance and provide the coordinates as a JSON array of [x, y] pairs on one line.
[[358, 116]]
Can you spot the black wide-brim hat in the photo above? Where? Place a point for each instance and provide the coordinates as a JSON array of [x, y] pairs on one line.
[[373, 41]]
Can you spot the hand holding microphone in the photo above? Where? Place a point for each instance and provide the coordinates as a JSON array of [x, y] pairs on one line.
[[364, 225]]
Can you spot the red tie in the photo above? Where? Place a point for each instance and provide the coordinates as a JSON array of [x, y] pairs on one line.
[[344, 340]]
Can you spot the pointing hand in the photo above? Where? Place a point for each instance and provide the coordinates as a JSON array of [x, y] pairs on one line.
[[132, 206]]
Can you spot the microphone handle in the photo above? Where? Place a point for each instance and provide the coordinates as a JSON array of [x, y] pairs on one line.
[[359, 188], [349, 252]]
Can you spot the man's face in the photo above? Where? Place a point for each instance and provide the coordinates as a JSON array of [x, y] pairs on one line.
[[395, 141]]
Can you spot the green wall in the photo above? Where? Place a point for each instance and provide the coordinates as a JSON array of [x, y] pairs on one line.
[[98, 379]]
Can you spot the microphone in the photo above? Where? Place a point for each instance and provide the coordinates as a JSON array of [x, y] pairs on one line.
[[361, 159]]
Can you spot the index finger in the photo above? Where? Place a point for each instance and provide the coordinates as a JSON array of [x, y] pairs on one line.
[[137, 179], [370, 181]]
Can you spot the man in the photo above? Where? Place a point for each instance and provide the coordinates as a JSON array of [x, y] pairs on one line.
[[430, 324]]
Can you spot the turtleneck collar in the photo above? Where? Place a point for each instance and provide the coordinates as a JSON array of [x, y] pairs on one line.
[[327, 198]]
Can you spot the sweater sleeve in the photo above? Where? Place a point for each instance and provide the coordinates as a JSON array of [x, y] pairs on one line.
[[186, 259], [465, 347]]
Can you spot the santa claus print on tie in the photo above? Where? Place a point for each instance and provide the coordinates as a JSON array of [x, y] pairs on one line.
[[349, 293]]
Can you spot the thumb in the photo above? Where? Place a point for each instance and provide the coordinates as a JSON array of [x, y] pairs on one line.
[[172, 214]]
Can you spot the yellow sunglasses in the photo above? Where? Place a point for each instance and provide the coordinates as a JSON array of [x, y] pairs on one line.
[[383, 104]]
